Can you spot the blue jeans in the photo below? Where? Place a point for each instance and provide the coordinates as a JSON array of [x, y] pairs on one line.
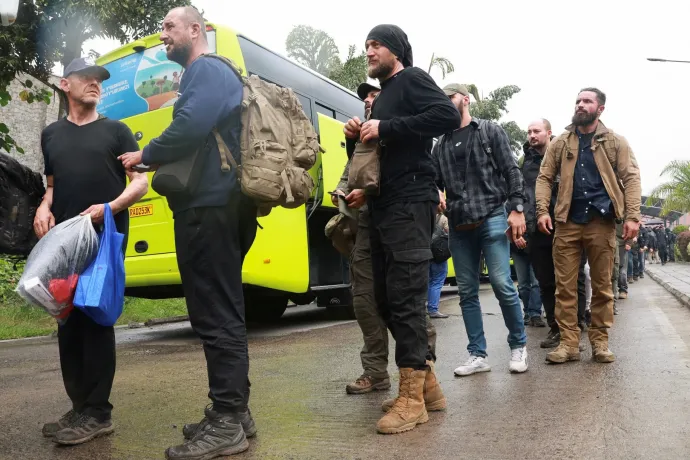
[[528, 286], [630, 264], [466, 246], [437, 278]]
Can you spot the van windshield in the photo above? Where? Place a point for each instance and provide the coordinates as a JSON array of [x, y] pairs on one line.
[[142, 82]]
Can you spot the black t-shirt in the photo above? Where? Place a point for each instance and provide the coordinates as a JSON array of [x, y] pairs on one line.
[[84, 165], [460, 138]]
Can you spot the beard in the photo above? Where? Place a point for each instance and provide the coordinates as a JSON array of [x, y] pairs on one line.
[[537, 144], [380, 71], [584, 119], [180, 53]]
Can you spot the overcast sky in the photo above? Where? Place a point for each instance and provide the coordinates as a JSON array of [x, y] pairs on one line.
[[550, 49]]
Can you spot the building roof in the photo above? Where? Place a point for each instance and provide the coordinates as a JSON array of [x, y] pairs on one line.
[[655, 210]]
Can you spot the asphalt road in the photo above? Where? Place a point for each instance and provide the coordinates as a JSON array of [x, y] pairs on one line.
[[635, 408]]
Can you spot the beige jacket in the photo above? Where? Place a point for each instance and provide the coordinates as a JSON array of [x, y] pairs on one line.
[[615, 161]]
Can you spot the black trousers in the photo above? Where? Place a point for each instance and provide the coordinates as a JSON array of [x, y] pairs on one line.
[[87, 359], [663, 254], [400, 236], [211, 245], [672, 252], [540, 250]]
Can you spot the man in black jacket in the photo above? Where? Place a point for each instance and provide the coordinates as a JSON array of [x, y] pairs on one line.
[[409, 111], [539, 245], [662, 243], [671, 243]]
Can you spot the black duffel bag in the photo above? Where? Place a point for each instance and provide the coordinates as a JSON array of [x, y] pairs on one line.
[[21, 192]]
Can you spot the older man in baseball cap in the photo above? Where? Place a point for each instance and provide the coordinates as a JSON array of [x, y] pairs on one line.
[[83, 176]]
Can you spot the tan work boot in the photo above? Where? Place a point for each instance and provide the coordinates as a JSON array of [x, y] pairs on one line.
[[601, 353], [367, 384], [408, 409], [622, 295], [434, 399], [563, 354]]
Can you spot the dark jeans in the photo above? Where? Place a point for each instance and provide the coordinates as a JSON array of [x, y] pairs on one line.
[[211, 245], [540, 249], [87, 359], [400, 254]]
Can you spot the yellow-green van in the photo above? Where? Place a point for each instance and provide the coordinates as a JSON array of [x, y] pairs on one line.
[[291, 259]]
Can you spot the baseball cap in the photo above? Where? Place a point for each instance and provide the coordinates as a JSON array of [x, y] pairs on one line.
[[84, 64], [455, 88], [365, 88]]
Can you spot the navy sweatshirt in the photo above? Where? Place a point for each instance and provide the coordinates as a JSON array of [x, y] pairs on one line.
[[210, 95]]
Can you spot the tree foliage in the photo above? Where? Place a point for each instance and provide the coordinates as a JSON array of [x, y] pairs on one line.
[[442, 63], [353, 71], [313, 48], [676, 191], [494, 107], [50, 31]]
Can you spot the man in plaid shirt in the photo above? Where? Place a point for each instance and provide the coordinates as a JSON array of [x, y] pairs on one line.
[[476, 167]]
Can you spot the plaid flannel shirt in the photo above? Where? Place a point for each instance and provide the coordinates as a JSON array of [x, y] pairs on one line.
[[489, 181]]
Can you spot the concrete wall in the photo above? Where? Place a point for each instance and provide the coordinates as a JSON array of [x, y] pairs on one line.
[[26, 121]]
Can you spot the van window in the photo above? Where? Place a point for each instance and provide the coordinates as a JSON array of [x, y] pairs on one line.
[[306, 104], [322, 109], [142, 82]]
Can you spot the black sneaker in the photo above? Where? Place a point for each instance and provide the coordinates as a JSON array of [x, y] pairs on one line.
[[526, 320], [552, 340], [588, 317], [84, 429], [537, 321], [248, 425], [50, 429], [221, 435]]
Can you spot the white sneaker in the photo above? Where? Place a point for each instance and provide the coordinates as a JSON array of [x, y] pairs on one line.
[[472, 366], [518, 360]]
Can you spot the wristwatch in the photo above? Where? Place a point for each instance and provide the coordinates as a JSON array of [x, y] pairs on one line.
[[518, 208]]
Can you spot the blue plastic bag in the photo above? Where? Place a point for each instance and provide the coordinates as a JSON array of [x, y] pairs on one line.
[[101, 287]]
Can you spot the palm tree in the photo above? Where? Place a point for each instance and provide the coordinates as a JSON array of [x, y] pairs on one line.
[[442, 63], [675, 192]]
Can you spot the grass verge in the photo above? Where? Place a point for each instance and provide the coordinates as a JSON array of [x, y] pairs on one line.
[[20, 320]]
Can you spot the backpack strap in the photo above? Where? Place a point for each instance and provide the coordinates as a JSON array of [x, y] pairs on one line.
[[486, 145], [226, 157]]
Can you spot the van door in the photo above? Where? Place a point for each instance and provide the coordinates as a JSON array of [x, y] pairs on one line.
[[334, 160]]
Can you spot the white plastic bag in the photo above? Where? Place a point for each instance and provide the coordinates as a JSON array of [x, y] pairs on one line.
[[52, 269]]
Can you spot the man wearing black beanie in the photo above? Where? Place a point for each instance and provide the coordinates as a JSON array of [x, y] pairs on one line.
[[408, 113]]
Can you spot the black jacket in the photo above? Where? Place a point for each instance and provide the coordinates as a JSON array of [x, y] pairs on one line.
[[661, 238], [529, 166]]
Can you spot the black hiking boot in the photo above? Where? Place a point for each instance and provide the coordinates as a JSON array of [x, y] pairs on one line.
[[248, 425], [537, 321], [552, 340], [82, 430], [221, 435]]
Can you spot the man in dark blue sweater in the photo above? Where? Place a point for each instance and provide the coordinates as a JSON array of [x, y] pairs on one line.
[[215, 226]]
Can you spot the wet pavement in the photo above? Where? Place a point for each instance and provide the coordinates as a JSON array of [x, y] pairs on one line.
[[674, 277], [635, 408]]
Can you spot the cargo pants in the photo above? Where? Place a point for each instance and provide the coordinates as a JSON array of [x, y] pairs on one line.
[[374, 354], [598, 237]]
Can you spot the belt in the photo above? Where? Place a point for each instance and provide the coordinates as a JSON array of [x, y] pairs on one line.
[[465, 227]]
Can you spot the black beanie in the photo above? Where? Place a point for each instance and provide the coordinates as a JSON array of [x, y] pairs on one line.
[[393, 38]]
